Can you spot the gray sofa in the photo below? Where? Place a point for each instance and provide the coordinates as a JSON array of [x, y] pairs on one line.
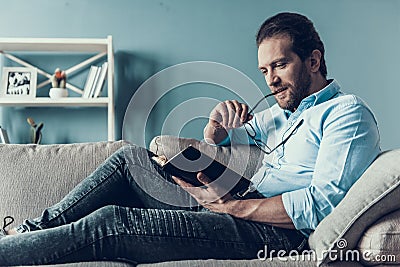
[[366, 221]]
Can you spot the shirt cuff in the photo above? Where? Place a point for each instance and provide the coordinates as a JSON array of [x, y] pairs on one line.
[[224, 142], [299, 207]]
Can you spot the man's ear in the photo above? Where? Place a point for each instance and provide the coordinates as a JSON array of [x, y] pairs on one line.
[[315, 60]]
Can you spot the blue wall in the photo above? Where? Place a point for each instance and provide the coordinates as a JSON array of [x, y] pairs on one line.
[[361, 38]]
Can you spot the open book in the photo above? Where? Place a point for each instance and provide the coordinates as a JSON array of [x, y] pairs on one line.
[[188, 162]]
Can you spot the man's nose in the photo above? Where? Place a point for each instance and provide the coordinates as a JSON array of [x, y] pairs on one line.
[[273, 80]]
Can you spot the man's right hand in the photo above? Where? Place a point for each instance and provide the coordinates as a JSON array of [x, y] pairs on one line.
[[230, 114], [226, 115]]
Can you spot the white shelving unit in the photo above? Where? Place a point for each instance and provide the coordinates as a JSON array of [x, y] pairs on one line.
[[101, 47]]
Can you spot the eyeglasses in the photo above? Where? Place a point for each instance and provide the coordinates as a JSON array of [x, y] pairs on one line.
[[264, 97], [262, 145], [252, 133]]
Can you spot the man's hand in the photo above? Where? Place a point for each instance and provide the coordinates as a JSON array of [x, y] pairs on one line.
[[210, 196], [225, 116], [230, 114]]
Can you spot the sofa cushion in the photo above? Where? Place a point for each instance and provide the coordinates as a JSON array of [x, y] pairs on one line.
[[381, 242], [34, 177], [374, 195], [243, 159]]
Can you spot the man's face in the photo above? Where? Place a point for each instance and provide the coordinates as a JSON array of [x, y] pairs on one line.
[[282, 68]]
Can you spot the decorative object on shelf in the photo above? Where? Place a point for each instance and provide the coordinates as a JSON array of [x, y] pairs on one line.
[[19, 82], [36, 129], [59, 79], [3, 136], [58, 92], [58, 83]]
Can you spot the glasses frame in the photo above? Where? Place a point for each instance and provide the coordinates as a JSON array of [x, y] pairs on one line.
[[259, 143], [262, 145], [261, 100]]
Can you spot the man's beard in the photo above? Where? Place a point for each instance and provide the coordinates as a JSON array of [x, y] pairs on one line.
[[299, 90]]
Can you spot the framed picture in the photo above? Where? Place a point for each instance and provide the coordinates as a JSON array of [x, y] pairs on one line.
[[18, 82]]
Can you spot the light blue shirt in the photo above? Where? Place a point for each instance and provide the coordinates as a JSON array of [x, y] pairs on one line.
[[337, 140]]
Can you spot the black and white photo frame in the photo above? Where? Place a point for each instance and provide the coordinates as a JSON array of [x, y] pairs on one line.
[[18, 82]]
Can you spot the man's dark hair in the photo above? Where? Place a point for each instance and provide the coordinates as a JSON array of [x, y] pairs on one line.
[[299, 29]]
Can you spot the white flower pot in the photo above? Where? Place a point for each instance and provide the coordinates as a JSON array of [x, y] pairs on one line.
[[58, 92]]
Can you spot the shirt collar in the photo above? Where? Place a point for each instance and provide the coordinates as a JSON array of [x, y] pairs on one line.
[[319, 97], [325, 93]]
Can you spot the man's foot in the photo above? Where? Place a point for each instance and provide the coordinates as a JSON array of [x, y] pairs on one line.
[[7, 221]]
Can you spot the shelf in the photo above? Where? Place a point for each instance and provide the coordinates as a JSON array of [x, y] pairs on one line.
[[49, 102], [101, 47], [53, 44]]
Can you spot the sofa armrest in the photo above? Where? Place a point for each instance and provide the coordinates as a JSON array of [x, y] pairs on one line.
[[375, 194]]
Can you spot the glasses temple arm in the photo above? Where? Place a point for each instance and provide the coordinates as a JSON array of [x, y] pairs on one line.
[[287, 138], [259, 101]]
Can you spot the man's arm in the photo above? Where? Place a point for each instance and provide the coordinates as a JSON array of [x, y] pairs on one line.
[[349, 143], [265, 210]]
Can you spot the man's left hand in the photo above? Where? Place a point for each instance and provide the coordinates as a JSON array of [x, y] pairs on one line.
[[210, 196]]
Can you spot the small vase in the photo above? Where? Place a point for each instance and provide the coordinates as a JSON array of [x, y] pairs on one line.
[[58, 92]]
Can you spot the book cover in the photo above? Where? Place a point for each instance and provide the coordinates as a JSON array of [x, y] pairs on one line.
[[188, 162]]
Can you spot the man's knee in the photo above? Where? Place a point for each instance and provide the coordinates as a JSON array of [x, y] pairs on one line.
[[135, 155], [129, 154], [106, 213]]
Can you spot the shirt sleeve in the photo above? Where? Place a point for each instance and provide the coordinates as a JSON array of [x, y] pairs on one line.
[[237, 136], [349, 144]]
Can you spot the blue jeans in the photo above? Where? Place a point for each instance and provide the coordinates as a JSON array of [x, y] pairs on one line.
[[109, 217]]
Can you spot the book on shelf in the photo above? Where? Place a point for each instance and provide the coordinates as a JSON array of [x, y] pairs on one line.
[[100, 82], [90, 81], [96, 78]]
